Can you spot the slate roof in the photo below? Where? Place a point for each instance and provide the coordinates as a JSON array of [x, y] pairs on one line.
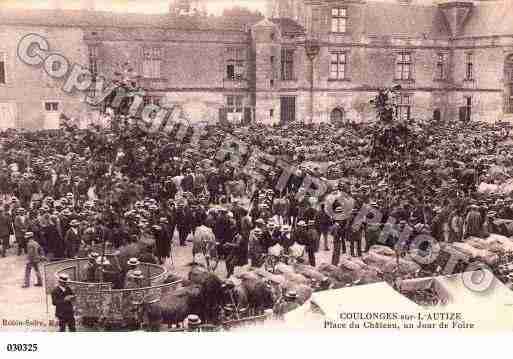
[[377, 18], [383, 18], [83, 18]]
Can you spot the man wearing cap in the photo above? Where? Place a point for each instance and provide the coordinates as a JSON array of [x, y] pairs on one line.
[[34, 255], [72, 239], [62, 299]]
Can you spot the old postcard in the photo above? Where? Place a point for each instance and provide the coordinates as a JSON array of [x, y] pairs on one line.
[[227, 166]]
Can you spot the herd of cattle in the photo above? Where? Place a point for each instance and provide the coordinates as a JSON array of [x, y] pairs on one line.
[[252, 291]]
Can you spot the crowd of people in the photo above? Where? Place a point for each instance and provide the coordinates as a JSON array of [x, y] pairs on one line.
[[69, 192]]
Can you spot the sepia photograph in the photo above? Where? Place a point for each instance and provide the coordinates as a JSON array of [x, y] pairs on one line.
[[234, 166]]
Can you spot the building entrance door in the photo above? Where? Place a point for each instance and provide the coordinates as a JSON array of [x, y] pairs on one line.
[[287, 109]]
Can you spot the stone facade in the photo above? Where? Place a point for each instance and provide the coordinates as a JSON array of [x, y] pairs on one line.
[[373, 36], [279, 68]]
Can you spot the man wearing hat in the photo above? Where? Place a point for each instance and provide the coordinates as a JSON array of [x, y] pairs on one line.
[[183, 222], [62, 299], [131, 267], [437, 224], [34, 255], [489, 223], [73, 239], [21, 224], [339, 233], [166, 230], [193, 323], [312, 245], [91, 269], [5, 228], [473, 222], [256, 247], [134, 279], [355, 236]]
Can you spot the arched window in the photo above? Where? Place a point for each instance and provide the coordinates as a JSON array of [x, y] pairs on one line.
[[337, 115]]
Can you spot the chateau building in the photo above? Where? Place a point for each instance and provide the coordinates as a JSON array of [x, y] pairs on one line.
[[306, 60]]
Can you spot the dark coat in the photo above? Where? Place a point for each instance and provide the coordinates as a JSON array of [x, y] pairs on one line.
[[184, 219], [72, 242], [55, 243], [63, 309], [313, 239], [21, 225], [5, 225], [223, 232], [162, 243], [236, 254], [188, 183]]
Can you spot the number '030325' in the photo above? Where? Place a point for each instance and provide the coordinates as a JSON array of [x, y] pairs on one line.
[[22, 347]]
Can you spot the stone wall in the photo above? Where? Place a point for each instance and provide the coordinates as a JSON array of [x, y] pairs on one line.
[[28, 87]]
